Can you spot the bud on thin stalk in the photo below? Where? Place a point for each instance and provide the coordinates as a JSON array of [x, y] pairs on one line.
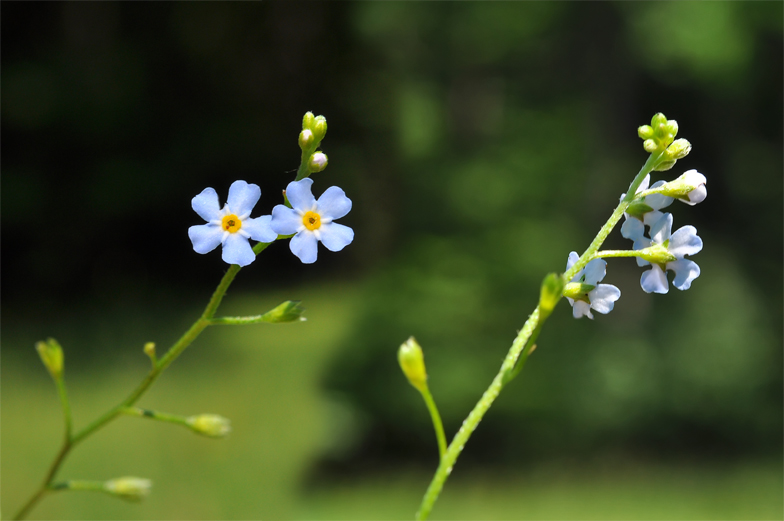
[[412, 362]]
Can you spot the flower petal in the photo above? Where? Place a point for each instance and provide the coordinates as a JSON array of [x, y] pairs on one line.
[[300, 196], [654, 280], [581, 308], [603, 297], [305, 246], [285, 221], [660, 230], [685, 242], [336, 236], [573, 257], [205, 237], [333, 203], [658, 201], [697, 195], [685, 272], [260, 229], [206, 204], [644, 185], [632, 229], [243, 197], [651, 218], [595, 271], [237, 250]]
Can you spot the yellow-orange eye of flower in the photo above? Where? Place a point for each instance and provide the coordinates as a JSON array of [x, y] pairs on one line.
[[311, 220], [231, 223]]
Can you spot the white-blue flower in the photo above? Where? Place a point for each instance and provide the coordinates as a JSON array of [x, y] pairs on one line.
[[232, 225], [312, 220], [601, 298], [683, 242], [634, 228]]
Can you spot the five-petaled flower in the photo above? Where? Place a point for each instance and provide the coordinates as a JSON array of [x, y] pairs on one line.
[[672, 248], [312, 220], [232, 225], [584, 292]]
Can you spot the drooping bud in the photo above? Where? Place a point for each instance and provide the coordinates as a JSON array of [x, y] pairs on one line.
[[211, 425], [412, 362], [52, 356], [130, 488], [305, 139], [318, 162], [550, 293]]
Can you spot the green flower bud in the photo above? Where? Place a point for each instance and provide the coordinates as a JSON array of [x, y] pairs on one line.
[[664, 166], [645, 132], [658, 120], [550, 293], [318, 162], [149, 349], [130, 488], [52, 356], [307, 121], [288, 311], [679, 149], [650, 146], [412, 362], [305, 139], [211, 425], [672, 127], [319, 128]]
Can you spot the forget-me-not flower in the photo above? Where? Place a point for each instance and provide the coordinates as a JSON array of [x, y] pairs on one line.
[[683, 242], [232, 225], [312, 220], [634, 226], [600, 297]]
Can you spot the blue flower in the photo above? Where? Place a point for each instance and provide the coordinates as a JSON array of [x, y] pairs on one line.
[[683, 242], [634, 226], [312, 220], [600, 297], [232, 225]]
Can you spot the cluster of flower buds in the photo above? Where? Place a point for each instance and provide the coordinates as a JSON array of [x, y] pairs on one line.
[[314, 128]]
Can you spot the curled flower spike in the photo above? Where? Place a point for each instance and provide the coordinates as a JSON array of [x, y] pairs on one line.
[[312, 220], [232, 225], [585, 293], [683, 242]]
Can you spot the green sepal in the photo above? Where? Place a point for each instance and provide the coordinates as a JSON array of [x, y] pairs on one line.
[[289, 311], [576, 290]]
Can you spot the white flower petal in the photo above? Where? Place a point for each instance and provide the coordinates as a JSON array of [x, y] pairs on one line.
[[243, 197], [237, 250], [603, 297], [641, 244], [658, 201], [694, 178], [685, 242], [660, 230], [206, 205], [336, 236], [333, 203], [644, 185], [573, 257], [205, 237], [633, 229], [685, 272], [305, 246], [651, 218], [697, 195], [260, 229], [595, 271], [581, 308], [300, 196], [285, 221], [654, 280]]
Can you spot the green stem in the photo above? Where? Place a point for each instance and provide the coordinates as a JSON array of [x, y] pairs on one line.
[[66, 407], [156, 415], [604, 254], [438, 426]]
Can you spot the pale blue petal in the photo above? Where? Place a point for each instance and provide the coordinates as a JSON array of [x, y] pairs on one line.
[[685, 242], [651, 218], [237, 250], [581, 308], [305, 246], [333, 203], [603, 297], [633, 229], [660, 230], [336, 236], [641, 244], [685, 272], [644, 185], [595, 271], [205, 237], [299, 194], [285, 221], [658, 201], [573, 257], [260, 229], [697, 195], [206, 205], [654, 280], [243, 197]]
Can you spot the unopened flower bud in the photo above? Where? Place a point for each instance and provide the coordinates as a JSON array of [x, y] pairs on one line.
[[672, 127], [319, 128], [658, 120], [52, 356], [412, 362], [305, 139], [650, 146], [288, 311], [689, 188], [130, 488], [318, 162], [307, 121], [550, 293], [211, 425], [679, 149], [664, 166], [645, 132], [149, 349]]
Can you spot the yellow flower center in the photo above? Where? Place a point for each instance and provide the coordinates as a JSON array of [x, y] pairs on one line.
[[311, 220], [231, 223]]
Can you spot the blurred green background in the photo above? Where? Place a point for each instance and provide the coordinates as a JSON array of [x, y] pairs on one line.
[[480, 144]]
